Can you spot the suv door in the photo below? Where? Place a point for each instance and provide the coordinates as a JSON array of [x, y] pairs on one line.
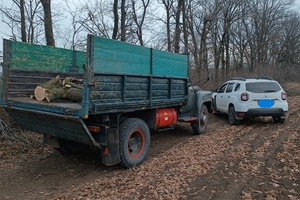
[[219, 98], [227, 96]]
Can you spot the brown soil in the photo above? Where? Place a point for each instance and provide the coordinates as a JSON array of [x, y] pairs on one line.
[[255, 160]]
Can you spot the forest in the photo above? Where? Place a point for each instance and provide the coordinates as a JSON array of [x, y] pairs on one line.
[[227, 37]]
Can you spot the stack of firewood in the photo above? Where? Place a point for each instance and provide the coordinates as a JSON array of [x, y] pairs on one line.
[[59, 89]]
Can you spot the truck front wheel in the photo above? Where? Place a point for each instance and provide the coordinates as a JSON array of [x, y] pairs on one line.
[[134, 142], [199, 126]]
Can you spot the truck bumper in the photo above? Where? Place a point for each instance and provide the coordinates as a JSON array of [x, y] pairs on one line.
[[59, 126]]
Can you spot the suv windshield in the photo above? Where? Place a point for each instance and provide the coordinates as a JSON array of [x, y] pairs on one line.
[[263, 87]]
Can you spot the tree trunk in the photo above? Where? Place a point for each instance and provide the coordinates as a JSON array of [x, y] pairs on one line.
[[177, 27], [185, 30], [168, 28], [48, 22], [123, 18], [23, 24], [116, 20], [203, 44]]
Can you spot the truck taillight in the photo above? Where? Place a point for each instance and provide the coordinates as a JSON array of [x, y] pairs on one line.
[[94, 129], [244, 96], [283, 95]]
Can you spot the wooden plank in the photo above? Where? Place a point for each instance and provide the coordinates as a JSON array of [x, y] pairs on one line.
[[115, 96], [138, 94], [38, 57], [111, 56], [23, 82], [169, 64]]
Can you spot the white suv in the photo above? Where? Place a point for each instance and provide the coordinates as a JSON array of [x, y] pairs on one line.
[[244, 98]]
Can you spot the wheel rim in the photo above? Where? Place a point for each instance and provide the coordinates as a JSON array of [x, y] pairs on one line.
[[136, 144], [203, 119]]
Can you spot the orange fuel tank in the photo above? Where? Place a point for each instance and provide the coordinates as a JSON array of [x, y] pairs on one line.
[[165, 117]]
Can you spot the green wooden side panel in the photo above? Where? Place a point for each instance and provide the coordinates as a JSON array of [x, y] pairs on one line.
[[37, 57], [111, 56], [169, 64]]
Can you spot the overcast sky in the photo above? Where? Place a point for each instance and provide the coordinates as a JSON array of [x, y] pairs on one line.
[[5, 32]]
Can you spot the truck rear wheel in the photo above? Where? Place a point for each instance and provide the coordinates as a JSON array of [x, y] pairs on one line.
[[199, 126], [134, 142]]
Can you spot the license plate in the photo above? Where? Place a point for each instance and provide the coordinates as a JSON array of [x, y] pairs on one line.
[[266, 103]]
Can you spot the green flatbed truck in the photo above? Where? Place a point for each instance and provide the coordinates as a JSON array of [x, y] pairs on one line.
[[128, 91]]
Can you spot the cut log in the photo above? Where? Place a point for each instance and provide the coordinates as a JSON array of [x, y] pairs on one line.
[[40, 91], [74, 94], [72, 79], [69, 82], [55, 93], [56, 82]]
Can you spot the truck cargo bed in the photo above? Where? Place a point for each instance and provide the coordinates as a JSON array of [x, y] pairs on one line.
[[117, 77], [33, 103]]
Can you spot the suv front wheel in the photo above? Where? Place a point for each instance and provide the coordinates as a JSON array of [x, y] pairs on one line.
[[232, 116]]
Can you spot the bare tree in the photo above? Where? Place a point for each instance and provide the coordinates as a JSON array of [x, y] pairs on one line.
[[202, 15], [73, 39], [116, 20], [168, 5], [185, 27], [177, 26], [48, 22], [288, 50], [23, 24], [23, 19], [139, 19], [123, 20], [95, 18]]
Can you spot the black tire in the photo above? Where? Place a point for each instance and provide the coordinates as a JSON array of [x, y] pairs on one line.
[[232, 116], [70, 147], [277, 119], [199, 126], [134, 142], [122, 119]]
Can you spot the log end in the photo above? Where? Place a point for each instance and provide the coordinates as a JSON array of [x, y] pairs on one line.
[[39, 93]]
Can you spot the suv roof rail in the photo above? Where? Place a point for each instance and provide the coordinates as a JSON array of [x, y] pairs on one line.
[[263, 77], [238, 78]]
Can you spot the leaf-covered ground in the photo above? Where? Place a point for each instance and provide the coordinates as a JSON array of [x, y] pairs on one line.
[[255, 160]]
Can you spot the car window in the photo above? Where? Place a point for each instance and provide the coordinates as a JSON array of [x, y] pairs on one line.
[[222, 89], [237, 87], [229, 87], [263, 87]]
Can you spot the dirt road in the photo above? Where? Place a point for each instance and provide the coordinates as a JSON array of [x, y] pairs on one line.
[[255, 160]]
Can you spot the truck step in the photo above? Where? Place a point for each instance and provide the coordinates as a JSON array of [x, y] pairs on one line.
[[166, 128], [187, 119]]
